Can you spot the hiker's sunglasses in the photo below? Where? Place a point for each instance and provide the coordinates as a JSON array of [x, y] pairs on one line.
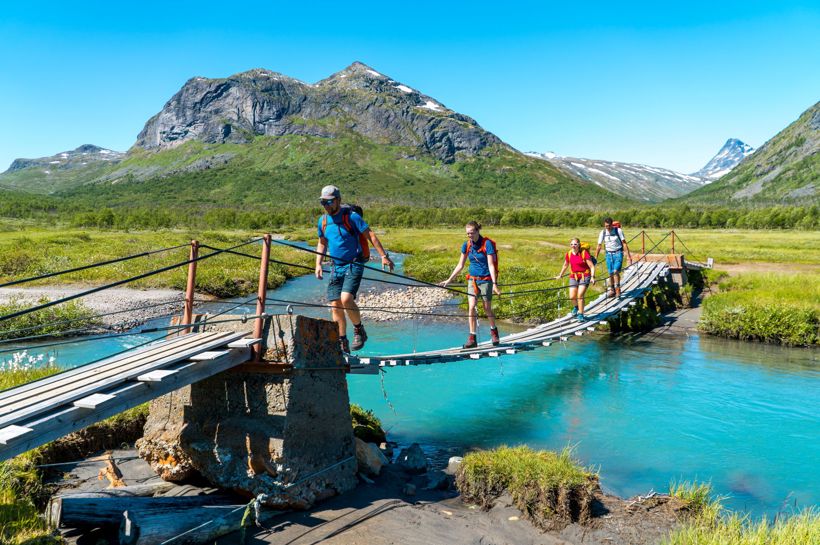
[[326, 202]]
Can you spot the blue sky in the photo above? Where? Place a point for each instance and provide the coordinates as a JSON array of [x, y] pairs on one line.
[[665, 86]]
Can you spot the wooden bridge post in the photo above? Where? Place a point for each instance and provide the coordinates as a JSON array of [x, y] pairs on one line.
[[188, 311], [643, 242], [262, 294], [673, 241]]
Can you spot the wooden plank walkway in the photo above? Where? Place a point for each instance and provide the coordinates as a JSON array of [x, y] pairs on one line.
[[635, 282], [35, 413]]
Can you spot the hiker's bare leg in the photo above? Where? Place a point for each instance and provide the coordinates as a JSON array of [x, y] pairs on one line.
[[582, 289], [338, 314], [488, 310], [472, 315], [352, 309], [617, 279], [573, 292]]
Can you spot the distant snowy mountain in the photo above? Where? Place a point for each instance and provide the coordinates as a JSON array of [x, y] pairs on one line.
[[732, 152], [650, 184]]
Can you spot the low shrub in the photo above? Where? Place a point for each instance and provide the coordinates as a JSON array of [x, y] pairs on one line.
[[366, 425], [549, 488], [49, 321]]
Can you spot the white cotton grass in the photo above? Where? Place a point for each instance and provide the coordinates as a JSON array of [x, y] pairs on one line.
[[23, 361]]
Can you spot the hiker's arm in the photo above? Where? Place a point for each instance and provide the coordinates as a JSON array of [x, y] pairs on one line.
[[597, 250], [320, 254], [560, 274], [455, 272], [628, 253], [494, 276], [591, 266], [379, 248]]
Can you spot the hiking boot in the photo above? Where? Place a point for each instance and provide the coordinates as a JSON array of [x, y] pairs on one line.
[[343, 342], [574, 311], [494, 336], [581, 317], [359, 337], [471, 341]]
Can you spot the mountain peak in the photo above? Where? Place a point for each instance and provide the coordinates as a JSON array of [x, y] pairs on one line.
[[732, 152], [357, 99]]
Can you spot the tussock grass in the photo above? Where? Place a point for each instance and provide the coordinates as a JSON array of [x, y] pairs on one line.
[[550, 488], [770, 307], [366, 425]]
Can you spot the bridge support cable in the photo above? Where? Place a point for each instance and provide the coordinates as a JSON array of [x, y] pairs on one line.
[[91, 266], [117, 283]]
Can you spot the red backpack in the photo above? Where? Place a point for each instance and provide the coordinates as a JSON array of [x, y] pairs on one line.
[[483, 249], [348, 209]]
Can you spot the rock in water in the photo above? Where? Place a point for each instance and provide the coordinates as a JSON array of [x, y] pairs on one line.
[[369, 457], [412, 459]]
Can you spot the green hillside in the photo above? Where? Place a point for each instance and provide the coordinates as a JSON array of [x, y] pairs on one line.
[[290, 170], [785, 170]]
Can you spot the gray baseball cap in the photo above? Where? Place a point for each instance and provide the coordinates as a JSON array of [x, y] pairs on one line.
[[330, 192]]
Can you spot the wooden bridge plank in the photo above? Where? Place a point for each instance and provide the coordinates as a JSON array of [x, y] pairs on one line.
[[88, 386], [66, 418], [70, 374], [45, 389]]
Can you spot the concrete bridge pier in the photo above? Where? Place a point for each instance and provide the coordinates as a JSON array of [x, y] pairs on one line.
[[273, 427]]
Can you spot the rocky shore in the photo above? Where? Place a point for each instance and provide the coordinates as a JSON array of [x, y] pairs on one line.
[[400, 304], [132, 307]]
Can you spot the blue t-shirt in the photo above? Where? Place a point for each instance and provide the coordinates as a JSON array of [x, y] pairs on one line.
[[478, 260], [342, 245]]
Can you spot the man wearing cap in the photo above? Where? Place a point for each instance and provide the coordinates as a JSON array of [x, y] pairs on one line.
[[339, 230]]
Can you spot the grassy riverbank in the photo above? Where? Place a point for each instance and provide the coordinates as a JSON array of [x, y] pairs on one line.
[[770, 307], [38, 251], [710, 524]]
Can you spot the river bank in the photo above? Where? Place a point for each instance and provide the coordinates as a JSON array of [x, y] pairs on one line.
[[123, 308]]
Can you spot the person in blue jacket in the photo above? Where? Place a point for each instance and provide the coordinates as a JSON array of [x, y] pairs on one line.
[[344, 236], [482, 279]]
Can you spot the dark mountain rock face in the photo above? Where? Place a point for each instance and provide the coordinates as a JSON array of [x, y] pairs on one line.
[[357, 99]]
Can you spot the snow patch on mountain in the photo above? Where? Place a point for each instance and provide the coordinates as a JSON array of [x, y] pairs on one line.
[[732, 153]]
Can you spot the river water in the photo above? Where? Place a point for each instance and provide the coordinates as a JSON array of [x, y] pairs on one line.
[[644, 410]]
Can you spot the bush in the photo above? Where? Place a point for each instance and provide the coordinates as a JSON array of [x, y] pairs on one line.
[[49, 321]]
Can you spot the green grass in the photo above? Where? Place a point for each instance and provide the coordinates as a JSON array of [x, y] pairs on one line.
[[366, 425], [775, 308], [37, 251], [709, 524], [548, 487], [49, 321]]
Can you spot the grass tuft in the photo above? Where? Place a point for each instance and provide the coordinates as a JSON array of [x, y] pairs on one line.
[[366, 425], [550, 488]]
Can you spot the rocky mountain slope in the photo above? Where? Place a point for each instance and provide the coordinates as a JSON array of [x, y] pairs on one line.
[[785, 170], [262, 138], [60, 171], [643, 182], [264, 103], [732, 153]]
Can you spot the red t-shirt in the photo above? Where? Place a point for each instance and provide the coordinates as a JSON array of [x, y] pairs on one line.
[[578, 263]]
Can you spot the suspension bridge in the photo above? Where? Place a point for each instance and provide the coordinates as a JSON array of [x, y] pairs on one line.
[[35, 413]]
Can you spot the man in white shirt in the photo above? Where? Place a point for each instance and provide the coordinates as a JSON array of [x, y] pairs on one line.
[[613, 239]]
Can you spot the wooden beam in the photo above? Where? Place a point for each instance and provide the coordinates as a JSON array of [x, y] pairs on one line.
[[93, 401]]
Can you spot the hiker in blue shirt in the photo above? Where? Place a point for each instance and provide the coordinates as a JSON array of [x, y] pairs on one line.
[[344, 235], [482, 279], [612, 239]]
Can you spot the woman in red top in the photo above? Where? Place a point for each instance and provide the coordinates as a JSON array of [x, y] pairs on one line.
[[582, 274]]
